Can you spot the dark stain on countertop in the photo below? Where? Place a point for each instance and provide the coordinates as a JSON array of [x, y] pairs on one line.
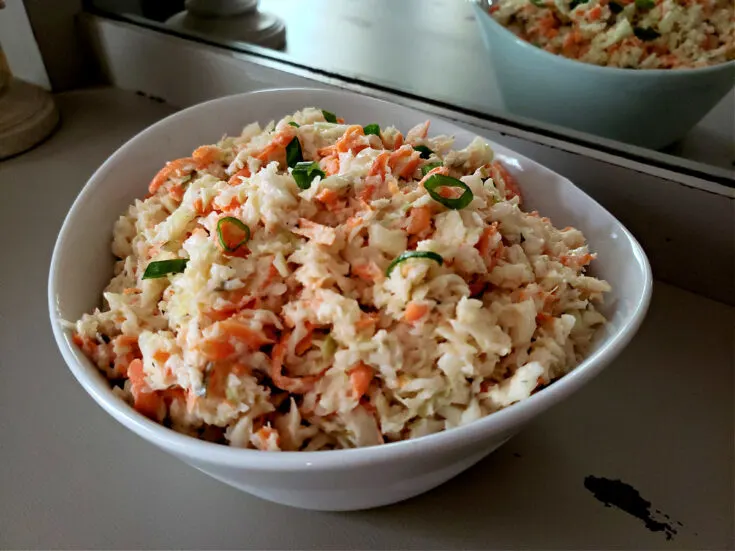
[[618, 494], [157, 99]]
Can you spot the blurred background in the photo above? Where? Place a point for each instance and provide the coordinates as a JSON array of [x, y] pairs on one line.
[[431, 50]]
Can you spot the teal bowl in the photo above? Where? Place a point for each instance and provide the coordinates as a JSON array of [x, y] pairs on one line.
[[648, 107]]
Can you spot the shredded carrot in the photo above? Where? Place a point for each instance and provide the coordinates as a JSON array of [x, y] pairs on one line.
[[367, 320], [149, 404], [419, 220], [277, 147], [380, 165], [161, 356], [542, 317], [265, 434], [217, 349], [145, 401], [88, 345], [297, 385], [415, 311], [330, 164], [200, 208], [361, 375], [367, 271], [324, 235], [176, 192], [595, 13], [577, 262], [398, 141], [270, 277], [229, 207], [305, 343], [205, 155], [236, 178], [327, 196], [177, 168], [483, 245], [404, 162], [352, 140], [241, 332]]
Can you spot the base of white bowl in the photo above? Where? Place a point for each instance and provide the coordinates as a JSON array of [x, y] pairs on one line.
[[349, 499]]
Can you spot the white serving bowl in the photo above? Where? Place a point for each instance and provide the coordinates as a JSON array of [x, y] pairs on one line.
[[345, 479]]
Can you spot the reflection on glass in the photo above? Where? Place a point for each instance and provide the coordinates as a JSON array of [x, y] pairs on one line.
[[230, 20], [435, 50]]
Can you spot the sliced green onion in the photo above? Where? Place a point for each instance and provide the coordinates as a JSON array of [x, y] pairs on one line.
[[231, 394], [425, 151], [436, 181], [414, 254], [305, 172], [329, 116], [429, 166], [538, 3], [646, 33], [162, 268], [293, 153], [239, 225], [294, 124], [615, 7], [645, 4], [206, 376], [329, 347], [373, 129]]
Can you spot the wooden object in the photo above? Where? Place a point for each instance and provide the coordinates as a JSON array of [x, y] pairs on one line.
[[27, 113]]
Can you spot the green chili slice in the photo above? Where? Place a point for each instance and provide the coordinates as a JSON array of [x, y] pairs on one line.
[[293, 153], [414, 254], [429, 166], [162, 268], [305, 172], [425, 151], [329, 116], [294, 124], [232, 233], [373, 129], [436, 181]]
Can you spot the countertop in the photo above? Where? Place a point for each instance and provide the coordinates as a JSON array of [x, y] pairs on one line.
[[660, 420]]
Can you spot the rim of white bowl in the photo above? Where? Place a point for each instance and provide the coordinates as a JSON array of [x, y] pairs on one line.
[[600, 68], [508, 419]]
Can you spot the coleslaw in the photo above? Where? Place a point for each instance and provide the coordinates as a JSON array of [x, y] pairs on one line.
[[635, 34], [314, 285]]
